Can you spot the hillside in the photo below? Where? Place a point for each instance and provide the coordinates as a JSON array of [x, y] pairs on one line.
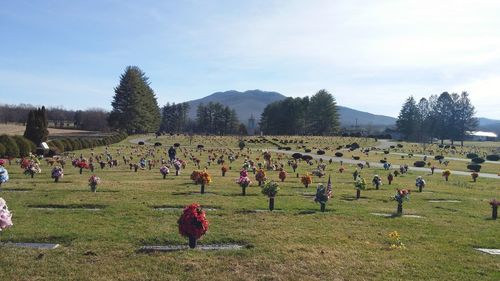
[[254, 101]]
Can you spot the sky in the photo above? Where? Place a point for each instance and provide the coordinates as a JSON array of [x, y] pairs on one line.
[[371, 55]]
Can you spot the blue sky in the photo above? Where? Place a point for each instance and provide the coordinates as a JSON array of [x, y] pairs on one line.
[[371, 55]]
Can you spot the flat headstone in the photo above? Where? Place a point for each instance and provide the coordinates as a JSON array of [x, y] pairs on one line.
[[172, 209], [172, 248], [267, 210], [444, 201], [394, 215], [68, 209], [489, 251], [43, 246]]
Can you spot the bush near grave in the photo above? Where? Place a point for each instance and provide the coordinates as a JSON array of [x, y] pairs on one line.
[[339, 154], [439, 157], [478, 160], [320, 152], [493, 157], [472, 155], [419, 164], [474, 167]]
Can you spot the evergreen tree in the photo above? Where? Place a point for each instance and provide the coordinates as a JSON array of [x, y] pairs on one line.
[[443, 111], [36, 126], [464, 117], [408, 119], [322, 114], [135, 108]]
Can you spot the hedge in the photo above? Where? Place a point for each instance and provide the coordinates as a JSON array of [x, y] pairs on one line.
[[493, 157], [11, 148], [419, 164], [478, 160], [474, 167]]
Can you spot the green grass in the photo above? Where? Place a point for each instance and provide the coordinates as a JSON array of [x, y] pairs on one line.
[[299, 243]]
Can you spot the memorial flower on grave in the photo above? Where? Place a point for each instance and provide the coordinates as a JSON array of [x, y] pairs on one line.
[[341, 169], [446, 174], [193, 223], [4, 174], [223, 170], [376, 181], [270, 189], [57, 173], [306, 180], [401, 196], [282, 175], [202, 178], [420, 183], [31, 167], [93, 182], [494, 208], [474, 176], [359, 184], [164, 171], [395, 241], [318, 172], [260, 176], [243, 181], [82, 164], [323, 194], [5, 215], [177, 165]]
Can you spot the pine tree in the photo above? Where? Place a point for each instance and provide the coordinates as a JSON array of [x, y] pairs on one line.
[[36, 126], [464, 117], [135, 108], [322, 114], [408, 119]]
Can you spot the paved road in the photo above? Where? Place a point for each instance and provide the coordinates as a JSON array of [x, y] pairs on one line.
[[380, 165]]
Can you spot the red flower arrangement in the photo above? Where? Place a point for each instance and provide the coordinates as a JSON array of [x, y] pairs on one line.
[[474, 176], [282, 175], [193, 223], [223, 170]]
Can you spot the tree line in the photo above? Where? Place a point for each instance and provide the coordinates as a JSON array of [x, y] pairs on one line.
[[93, 119], [317, 115], [447, 116]]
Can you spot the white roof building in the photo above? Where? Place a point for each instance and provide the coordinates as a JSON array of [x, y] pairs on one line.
[[482, 134]]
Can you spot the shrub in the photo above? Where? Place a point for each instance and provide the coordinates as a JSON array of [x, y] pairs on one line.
[[355, 157], [307, 150], [2, 150], [288, 148], [23, 145], [157, 143], [439, 157], [320, 152], [296, 156], [392, 146], [419, 164], [474, 167], [177, 144], [58, 144], [478, 160], [11, 149], [383, 161], [140, 143], [307, 157], [386, 151], [67, 144], [339, 154], [400, 145], [472, 155], [493, 157], [354, 145]]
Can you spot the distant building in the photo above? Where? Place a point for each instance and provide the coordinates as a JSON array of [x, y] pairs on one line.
[[251, 125], [481, 136]]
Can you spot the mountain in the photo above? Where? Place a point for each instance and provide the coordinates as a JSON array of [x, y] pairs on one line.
[[253, 103], [246, 103], [489, 125]]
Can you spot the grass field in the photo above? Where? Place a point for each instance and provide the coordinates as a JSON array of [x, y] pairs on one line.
[[296, 243], [18, 129]]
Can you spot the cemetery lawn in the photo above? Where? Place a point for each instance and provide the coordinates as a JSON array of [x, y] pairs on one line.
[[296, 242]]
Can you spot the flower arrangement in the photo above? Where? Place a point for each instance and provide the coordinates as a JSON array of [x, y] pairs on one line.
[[202, 178], [223, 169], [341, 169], [446, 174], [243, 181], [420, 183], [4, 174], [260, 176], [164, 170], [270, 189], [57, 173], [396, 242], [401, 196], [32, 169], [306, 180], [93, 182], [282, 175], [194, 176], [474, 176], [294, 166], [318, 172], [193, 223], [323, 194], [177, 165], [376, 181], [359, 184], [494, 208], [5, 215]]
